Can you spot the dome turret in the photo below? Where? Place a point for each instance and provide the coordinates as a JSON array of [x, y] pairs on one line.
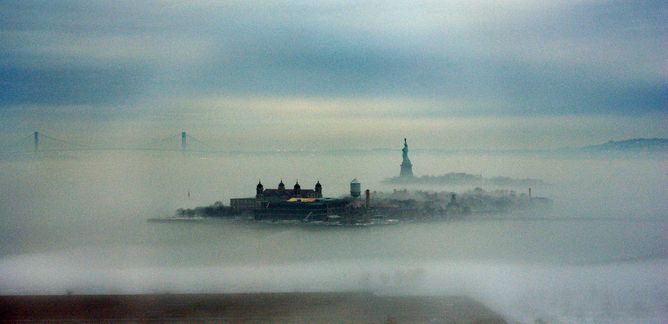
[[259, 189], [297, 189], [281, 185], [318, 189]]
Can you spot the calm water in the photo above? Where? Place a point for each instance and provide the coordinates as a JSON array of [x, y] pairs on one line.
[[77, 222]]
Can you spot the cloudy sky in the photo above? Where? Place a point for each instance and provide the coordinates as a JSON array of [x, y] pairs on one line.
[[270, 74]]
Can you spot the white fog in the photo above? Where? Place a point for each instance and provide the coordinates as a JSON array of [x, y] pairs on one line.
[[534, 135], [77, 222]]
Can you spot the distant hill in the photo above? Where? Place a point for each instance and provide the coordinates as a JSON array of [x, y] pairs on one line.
[[635, 144]]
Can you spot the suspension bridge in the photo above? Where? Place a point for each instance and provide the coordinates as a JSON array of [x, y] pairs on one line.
[[44, 142]]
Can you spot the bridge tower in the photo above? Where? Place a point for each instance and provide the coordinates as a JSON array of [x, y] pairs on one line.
[[36, 140], [184, 141]]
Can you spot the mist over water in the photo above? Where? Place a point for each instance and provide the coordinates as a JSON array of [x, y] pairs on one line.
[[77, 222], [102, 83]]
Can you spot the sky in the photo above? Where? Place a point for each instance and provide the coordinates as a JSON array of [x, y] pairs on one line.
[[337, 74]]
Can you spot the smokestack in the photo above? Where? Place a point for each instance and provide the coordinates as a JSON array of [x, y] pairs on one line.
[[529, 193], [367, 197], [184, 141]]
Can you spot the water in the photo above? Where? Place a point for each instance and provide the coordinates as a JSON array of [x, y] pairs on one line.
[[77, 222]]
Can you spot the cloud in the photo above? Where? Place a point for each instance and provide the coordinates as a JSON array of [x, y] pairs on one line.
[[510, 58], [48, 48]]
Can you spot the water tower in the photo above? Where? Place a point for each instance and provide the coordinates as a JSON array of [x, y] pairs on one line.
[[355, 188]]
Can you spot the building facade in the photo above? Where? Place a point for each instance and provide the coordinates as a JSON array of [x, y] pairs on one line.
[[301, 209], [289, 204], [242, 204], [281, 193], [263, 197]]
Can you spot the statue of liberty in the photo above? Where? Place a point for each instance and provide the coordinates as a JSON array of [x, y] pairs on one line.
[[406, 166]]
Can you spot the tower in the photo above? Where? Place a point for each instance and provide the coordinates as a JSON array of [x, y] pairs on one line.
[[355, 188], [281, 186], [318, 190], [406, 165], [36, 140], [259, 190], [297, 189]]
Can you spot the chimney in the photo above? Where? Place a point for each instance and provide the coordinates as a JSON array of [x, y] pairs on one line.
[[367, 197]]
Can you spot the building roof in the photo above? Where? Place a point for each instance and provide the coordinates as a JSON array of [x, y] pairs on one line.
[[286, 192]]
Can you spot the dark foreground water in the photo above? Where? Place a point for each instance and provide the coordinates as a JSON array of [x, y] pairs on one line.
[[77, 223], [247, 308]]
